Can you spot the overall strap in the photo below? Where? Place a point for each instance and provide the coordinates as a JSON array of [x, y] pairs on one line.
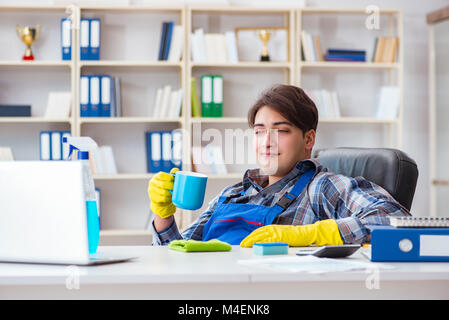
[[299, 186]]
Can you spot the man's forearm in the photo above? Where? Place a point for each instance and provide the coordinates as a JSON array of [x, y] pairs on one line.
[[161, 224]]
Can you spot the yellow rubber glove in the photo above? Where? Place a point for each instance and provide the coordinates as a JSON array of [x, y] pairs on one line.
[[159, 195], [324, 232]]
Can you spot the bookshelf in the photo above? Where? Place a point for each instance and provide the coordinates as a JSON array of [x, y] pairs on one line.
[[124, 202], [438, 22], [348, 24], [29, 82]]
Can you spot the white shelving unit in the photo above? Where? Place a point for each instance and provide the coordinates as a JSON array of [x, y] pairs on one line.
[[130, 38], [129, 43], [29, 82], [348, 30], [438, 25]]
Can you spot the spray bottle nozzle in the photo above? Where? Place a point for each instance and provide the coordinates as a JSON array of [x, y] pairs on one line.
[[82, 144]]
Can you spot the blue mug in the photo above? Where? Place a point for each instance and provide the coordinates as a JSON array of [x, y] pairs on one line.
[[188, 190]]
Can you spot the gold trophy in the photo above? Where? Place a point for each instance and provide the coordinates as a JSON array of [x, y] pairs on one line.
[[28, 35], [264, 35]]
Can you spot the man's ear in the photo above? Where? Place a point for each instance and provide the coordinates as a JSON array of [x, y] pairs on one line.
[[309, 139]]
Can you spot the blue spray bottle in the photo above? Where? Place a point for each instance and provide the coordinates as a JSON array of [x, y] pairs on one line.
[[84, 145]]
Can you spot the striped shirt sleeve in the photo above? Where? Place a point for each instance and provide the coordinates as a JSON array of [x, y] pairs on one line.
[[354, 203]]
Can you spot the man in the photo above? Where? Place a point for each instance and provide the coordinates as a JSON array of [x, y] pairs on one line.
[[290, 198]]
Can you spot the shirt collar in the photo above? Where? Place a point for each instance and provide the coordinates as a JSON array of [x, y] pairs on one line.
[[253, 178]]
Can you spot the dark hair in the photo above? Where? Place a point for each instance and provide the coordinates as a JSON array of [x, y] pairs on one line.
[[291, 102]]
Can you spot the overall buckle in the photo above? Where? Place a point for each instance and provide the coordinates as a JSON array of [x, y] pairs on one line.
[[285, 201]]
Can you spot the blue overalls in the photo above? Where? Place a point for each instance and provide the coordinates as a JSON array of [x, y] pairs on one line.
[[232, 222]]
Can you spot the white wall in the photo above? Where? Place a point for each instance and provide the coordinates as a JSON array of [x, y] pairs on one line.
[[415, 125], [415, 128]]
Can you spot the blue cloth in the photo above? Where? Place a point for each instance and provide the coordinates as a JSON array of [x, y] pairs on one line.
[[232, 222], [354, 203]]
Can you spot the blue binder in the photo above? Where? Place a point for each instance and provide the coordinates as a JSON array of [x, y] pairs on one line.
[[163, 41], [94, 39], [168, 41], [56, 145], [84, 95], [154, 151], [409, 244], [66, 39], [106, 96], [45, 145], [84, 39], [167, 145], [65, 147], [94, 96], [176, 153]]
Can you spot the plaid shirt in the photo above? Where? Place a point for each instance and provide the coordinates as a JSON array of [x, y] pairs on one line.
[[354, 203]]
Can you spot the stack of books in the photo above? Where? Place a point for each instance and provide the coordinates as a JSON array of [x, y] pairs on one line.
[[346, 55], [311, 48], [12, 110], [388, 103], [385, 49], [214, 47], [168, 103], [102, 161], [326, 102], [171, 42]]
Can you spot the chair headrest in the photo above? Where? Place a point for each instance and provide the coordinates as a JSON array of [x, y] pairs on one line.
[[391, 169]]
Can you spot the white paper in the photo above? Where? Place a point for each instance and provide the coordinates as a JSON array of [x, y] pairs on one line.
[[58, 105], [6, 154], [388, 103], [311, 264]]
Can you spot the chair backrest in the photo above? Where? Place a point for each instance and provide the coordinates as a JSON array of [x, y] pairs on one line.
[[391, 169]]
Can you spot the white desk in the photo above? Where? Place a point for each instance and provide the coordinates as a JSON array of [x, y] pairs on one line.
[[160, 273]]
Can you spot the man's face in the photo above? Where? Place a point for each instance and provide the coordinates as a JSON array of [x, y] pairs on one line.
[[279, 145]]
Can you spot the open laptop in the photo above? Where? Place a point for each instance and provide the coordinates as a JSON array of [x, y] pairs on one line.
[[43, 214]]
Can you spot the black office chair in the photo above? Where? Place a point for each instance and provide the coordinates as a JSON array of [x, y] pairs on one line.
[[391, 169]]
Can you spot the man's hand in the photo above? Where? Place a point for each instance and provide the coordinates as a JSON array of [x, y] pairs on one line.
[[324, 232], [159, 189]]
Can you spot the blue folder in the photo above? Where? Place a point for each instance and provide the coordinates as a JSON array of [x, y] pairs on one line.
[[154, 151], [84, 95], [176, 153], [94, 96], [106, 96], [94, 39], [168, 41], [167, 146], [84, 39], [45, 145], [409, 244], [66, 39]]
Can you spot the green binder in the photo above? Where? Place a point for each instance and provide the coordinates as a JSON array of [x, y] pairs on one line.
[[217, 100], [206, 96], [196, 112]]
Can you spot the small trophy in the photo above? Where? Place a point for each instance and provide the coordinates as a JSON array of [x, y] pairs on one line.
[[28, 35], [264, 35]]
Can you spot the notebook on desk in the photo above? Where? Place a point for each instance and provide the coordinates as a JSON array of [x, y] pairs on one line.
[[420, 222], [43, 214]]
